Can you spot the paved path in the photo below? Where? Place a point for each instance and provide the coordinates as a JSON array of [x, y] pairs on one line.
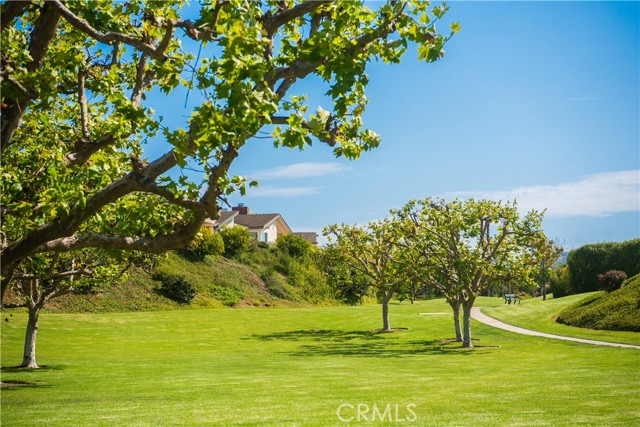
[[483, 318]]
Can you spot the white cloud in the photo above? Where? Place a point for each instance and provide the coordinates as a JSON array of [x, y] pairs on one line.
[[283, 191], [595, 195], [300, 170]]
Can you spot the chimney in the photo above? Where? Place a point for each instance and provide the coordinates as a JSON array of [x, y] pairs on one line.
[[241, 208]]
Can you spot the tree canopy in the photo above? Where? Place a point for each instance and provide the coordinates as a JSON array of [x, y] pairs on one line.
[[464, 247], [77, 123]]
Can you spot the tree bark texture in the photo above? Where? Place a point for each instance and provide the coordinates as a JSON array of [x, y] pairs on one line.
[[29, 357]]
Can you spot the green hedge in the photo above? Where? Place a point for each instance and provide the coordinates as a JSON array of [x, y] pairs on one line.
[[617, 311], [586, 262]]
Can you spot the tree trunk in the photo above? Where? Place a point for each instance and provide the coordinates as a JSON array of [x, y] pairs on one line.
[[29, 358], [385, 313], [466, 323], [455, 306]]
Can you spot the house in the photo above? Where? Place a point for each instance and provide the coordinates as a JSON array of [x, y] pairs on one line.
[[262, 227]]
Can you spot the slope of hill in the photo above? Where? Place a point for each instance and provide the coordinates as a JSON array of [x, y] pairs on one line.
[[618, 310], [261, 279]]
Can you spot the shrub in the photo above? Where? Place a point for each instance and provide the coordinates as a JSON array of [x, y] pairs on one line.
[[206, 242], [227, 295], [176, 288], [237, 241], [612, 280], [292, 245]]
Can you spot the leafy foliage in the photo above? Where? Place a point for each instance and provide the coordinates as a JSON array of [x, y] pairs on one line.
[[76, 121], [463, 248], [237, 241], [292, 245], [206, 242]]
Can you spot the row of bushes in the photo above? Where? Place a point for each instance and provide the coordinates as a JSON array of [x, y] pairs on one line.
[[580, 273]]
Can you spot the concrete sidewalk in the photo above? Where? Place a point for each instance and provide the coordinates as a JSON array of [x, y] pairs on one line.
[[483, 318]]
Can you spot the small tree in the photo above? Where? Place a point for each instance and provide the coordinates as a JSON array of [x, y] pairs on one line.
[[369, 250], [612, 280], [42, 278], [471, 246], [237, 241], [349, 284], [545, 254]]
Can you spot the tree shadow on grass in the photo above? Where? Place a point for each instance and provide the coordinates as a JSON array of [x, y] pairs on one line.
[[330, 342], [387, 349], [6, 385], [41, 368], [319, 335]]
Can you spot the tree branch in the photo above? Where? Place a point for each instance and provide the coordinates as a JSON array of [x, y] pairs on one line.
[[82, 25], [43, 33], [10, 10], [271, 22]]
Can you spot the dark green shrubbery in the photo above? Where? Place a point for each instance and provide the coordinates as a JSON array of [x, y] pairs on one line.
[[560, 282], [176, 288], [586, 262], [618, 310]]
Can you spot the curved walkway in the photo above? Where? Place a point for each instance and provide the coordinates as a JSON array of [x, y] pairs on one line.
[[483, 318]]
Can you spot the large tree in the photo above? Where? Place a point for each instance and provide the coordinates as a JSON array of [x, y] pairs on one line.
[[471, 245], [78, 125], [369, 250]]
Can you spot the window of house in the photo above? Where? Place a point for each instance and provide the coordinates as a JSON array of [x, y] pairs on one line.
[[265, 237], [254, 234]]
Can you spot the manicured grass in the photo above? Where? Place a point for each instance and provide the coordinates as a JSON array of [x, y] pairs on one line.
[[540, 316], [296, 366]]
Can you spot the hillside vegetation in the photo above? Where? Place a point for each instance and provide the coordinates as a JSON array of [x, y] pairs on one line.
[[618, 310], [261, 277]]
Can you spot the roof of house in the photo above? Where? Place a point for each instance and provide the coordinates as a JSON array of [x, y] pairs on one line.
[[223, 218], [309, 236], [256, 220]]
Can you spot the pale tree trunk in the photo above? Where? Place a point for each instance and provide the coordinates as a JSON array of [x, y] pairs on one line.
[[455, 306], [386, 325], [466, 323], [29, 357]]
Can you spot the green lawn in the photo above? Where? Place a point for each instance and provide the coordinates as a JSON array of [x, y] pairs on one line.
[[540, 316], [296, 366]]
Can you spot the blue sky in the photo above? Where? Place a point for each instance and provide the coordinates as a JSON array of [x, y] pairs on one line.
[[534, 101]]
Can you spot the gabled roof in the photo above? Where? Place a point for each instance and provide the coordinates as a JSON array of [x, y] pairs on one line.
[[256, 220]]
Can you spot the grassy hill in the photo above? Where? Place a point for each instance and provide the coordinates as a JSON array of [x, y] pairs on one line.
[[618, 310], [259, 279]]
